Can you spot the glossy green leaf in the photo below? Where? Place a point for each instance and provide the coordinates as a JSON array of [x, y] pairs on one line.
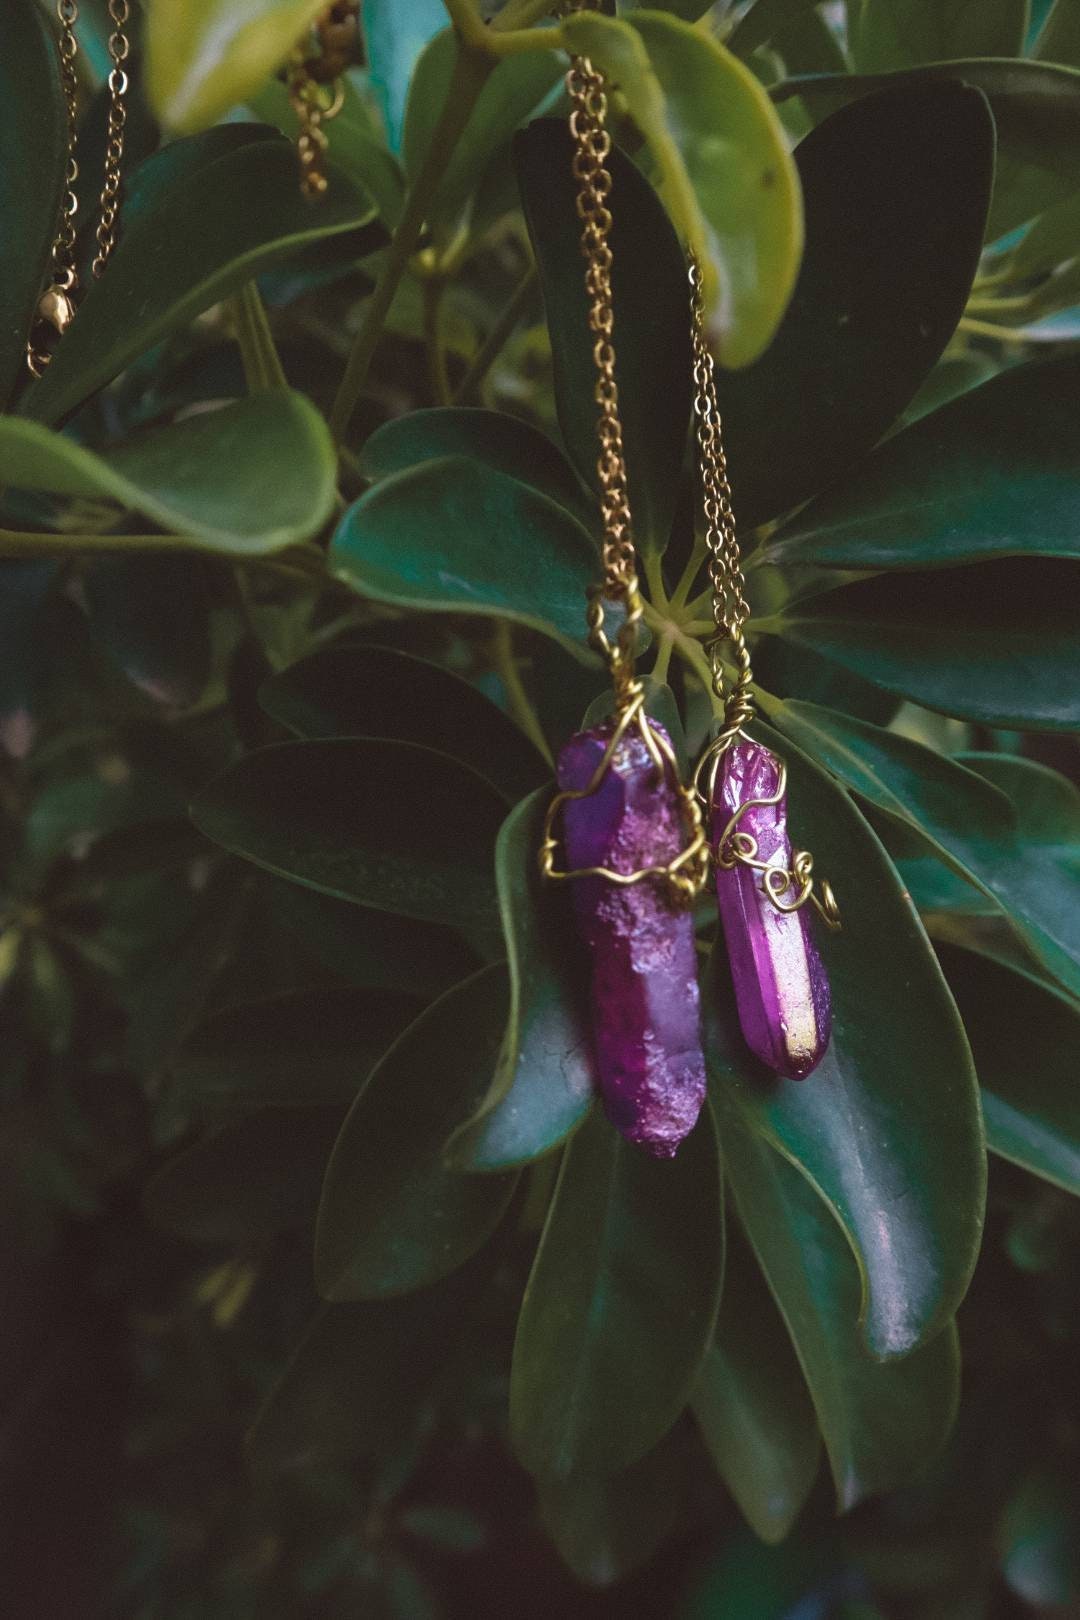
[[310, 1046], [394, 36], [372, 949], [224, 221], [651, 320], [246, 479], [1036, 109], [998, 644], [895, 189], [390, 825], [545, 1080], [752, 1406], [205, 56], [722, 160], [514, 89], [504, 442], [1039, 1539], [883, 1422], [453, 536], [1059, 37], [888, 1129], [970, 823], [358, 691], [620, 1304], [246, 1181], [356, 148], [150, 615], [906, 33], [1024, 1036], [33, 132], [392, 1216], [995, 473], [763, 21], [605, 1528]]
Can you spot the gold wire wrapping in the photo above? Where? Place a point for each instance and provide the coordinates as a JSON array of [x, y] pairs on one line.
[[730, 613], [56, 307], [687, 873]]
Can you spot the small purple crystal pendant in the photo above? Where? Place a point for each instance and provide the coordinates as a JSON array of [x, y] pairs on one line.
[[625, 836], [762, 887]]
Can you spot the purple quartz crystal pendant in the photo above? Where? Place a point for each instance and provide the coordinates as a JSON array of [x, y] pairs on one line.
[[762, 886], [625, 813]]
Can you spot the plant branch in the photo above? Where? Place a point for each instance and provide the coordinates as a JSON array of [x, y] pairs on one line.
[[505, 665], [434, 287], [497, 338], [468, 79], [262, 363]]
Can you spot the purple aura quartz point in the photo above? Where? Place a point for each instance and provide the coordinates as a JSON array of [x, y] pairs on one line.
[[646, 1015], [781, 988]]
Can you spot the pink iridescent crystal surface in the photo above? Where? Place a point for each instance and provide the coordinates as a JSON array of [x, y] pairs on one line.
[[646, 1014], [781, 988]]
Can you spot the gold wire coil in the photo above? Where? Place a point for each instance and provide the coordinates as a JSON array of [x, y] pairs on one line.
[[684, 876], [734, 847]]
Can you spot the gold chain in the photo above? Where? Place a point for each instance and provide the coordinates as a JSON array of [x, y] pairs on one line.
[[56, 306], [317, 89], [592, 147], [730, 607]]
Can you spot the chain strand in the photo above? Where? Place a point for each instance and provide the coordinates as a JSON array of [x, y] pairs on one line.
[[109, 200], [730, 607]]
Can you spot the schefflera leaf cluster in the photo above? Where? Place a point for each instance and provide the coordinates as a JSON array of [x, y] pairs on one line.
[[790, 1283]]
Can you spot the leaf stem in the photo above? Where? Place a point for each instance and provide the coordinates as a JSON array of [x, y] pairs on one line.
[[505, 665], [470, 74], [262, 363], [1001, 334], [698, 553], [662, 662], [498, 337], [434, 287]]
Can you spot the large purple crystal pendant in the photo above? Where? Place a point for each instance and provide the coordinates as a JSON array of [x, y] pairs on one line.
[[781, 988], [646, 1016]]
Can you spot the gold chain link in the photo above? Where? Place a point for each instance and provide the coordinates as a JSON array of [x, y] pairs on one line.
[[730, 607], [317, 89], [592, 147], [56, 306]]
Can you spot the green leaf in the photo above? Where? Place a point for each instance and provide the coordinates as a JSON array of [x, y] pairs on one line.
[[997, 644], [895, 189], [722, 160], [752, 1406], [503, 442], [390, 825], [1036, 109], [652, 321], [545, 1079], [514, 89], [1059, 37], [246, 479], [33, 132], [1038, 1537], [393, 1217], [357, 691], [204, 56], [309, 1046], [248, 1180], [372, 949], [1023, 1034], [359, 1378], [621, 1302], [394, 36], [995, 473], [150, 615], [883, 1422], [455, 536], [906, 33], [606, 1528], [224, 222], [887, 1129], [763, 21], [999, 845]]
